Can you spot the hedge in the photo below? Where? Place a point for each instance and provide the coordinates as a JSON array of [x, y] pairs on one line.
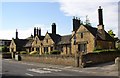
[[7, 55], [55, 52]]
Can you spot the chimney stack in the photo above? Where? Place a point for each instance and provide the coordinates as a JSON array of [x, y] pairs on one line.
[[100, 19], [39, 31], [34, 31], [53, 28], [16, 34], [101, 26], [100, 16], [76, 23]]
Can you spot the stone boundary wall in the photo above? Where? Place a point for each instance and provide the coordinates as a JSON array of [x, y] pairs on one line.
[[50, 59], [87, 59], [96, 58]]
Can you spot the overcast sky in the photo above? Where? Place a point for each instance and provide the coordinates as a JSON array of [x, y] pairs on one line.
[[24, 15]]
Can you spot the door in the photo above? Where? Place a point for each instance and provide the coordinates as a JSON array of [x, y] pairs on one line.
[[82, 47]]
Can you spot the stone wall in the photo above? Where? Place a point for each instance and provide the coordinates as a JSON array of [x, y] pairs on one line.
[[50, 59], [95, 58], [87, 59]]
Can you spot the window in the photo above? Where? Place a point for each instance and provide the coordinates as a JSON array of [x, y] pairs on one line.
[[81, 35], [12, 49], [41, 44], [51, 48], [82, 47], [37, 49], [45, 49], [46, 40], [36, 41]]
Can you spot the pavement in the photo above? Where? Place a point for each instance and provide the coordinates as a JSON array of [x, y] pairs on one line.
[[105, 69]]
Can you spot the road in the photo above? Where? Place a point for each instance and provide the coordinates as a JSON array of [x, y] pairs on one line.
[[15, 69]]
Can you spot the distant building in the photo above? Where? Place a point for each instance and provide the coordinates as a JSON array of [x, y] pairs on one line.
[[4, 45]]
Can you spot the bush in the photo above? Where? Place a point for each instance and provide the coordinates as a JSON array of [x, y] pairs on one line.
[[105, 50], [33, 52], [23, 52], [97, 48], [4, 49], [6, 55], [46, 53], [55, 52]]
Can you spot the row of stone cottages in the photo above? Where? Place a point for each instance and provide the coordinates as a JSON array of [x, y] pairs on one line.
[[84, 38]]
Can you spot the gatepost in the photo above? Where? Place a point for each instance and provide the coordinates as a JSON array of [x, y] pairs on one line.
[[13, 55], [117, 63], [18, 56], [81, 60], [77, 59]]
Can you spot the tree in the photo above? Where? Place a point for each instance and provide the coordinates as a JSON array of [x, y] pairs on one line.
[[110, 32]]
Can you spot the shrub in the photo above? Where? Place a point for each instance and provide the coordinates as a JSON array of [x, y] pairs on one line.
[[23, 52], [46, 53], [55, 52], [33, 52], [105, 50], [97, 48], [4, 49], [6, 55]]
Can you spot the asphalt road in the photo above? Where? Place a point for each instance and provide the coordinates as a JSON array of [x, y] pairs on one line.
[[17, 69]]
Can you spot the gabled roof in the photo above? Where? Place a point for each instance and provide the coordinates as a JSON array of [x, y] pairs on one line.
[[96, 34], [108, 37], [91, 29], [20, 42], [29, 43], [65, 39], [55, 37], [41, 37]]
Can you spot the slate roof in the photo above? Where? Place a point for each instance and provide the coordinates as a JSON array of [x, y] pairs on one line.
[[29, 43], [20, 42], [108, 37], [65, 39], [41, 37], [30, 40], [96, 34], [55, 37]]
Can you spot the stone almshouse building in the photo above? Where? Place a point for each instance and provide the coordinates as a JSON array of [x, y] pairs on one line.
[[84, 38]]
